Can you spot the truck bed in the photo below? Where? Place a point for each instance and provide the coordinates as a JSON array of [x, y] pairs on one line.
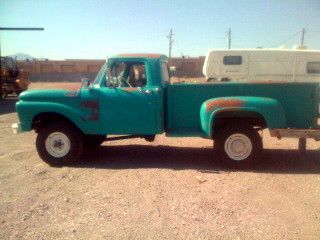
[[300, 102]]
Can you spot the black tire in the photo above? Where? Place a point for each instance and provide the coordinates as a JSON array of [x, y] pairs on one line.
[[49, 151], [93, 141], [249, 144]]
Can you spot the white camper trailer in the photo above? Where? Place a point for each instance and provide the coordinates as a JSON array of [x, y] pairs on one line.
[[294, 65]]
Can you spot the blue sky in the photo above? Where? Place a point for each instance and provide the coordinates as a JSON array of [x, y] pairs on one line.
[[97, 29]]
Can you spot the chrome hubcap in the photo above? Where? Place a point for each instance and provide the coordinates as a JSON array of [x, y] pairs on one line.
[[238, 146], [57, 144]]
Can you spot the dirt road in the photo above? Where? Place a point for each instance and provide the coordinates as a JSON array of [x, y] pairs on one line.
[[170, 189]]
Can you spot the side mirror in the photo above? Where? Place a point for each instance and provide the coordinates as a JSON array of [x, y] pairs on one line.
[[172, 69], [85, 82]]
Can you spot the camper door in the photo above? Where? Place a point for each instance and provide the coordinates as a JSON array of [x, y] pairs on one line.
[[234, 67]]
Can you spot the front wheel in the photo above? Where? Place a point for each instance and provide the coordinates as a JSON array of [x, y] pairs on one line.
[[59, 143], [238, 145]]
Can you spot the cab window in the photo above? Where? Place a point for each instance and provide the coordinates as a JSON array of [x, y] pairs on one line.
[[127, 74], [137, 75], [165, 73]]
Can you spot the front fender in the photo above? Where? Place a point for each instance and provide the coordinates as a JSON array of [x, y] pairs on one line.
[[28, 110], [270, 109]]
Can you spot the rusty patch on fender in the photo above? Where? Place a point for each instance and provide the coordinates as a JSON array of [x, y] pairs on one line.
[[130, 89], [214, 104], [94, 107]]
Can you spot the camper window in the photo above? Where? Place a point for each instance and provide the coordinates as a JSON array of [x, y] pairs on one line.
[[313, 67], [232, 60]]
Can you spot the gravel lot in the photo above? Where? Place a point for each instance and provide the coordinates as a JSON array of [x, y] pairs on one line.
[[172, 188]]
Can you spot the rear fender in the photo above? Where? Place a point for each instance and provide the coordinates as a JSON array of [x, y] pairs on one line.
[[239, 107]]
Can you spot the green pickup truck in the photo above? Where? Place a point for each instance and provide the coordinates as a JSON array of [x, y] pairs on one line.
[[132, 97]]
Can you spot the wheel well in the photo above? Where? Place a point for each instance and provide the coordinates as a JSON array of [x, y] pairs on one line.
[[255, 120], [43, 119]]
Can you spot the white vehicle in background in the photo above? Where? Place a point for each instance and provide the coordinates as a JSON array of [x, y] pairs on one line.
[[292, 65]]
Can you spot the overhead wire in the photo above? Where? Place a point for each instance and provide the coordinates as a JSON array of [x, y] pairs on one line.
[[286, 40], [314, 35]]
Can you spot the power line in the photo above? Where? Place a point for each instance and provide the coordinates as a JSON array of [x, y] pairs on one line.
[[314, 35], [313, 31], [20, 29], [286, 40]]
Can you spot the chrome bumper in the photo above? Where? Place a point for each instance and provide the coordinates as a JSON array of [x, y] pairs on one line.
[[296, 133], [16, 128]]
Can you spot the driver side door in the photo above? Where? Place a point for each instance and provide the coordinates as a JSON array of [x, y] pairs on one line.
[[128, 104]]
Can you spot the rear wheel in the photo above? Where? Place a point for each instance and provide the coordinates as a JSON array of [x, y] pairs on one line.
[[238, 145], [59, 143]]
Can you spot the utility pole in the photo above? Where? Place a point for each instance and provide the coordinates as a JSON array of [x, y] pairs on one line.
[[13, 29], [302, 36], [229, 38], [170, 42]]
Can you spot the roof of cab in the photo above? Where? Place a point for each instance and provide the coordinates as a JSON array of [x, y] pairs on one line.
[[140, 55]]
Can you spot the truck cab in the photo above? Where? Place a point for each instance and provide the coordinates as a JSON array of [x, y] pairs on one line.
[[130, 93]]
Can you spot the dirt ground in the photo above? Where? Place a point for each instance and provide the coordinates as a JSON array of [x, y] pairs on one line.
[[171, 188]]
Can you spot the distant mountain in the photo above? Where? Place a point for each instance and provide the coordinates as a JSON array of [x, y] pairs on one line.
[[22, 56]]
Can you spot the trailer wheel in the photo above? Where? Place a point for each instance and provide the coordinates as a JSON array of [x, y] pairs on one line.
[[59, 143], [238, 144]]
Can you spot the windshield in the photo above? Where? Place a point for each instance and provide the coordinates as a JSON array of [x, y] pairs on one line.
[[101, 74], [116, 74], [127, 74]]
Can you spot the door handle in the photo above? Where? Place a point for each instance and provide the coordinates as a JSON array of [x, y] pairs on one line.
[[158, 90], [147, 91]]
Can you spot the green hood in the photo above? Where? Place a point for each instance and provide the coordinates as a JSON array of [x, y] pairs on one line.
[[48, 95]]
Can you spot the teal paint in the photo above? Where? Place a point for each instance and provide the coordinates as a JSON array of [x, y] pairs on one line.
[[177, 109], [185, 100], [269, 109]]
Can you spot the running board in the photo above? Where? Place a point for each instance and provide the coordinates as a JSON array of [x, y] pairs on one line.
[[148, 138]]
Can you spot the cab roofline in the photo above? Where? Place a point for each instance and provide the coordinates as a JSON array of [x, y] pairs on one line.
[[140, 55]]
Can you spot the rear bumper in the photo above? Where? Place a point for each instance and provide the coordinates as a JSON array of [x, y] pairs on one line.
[[16, 128], [296, 133]]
